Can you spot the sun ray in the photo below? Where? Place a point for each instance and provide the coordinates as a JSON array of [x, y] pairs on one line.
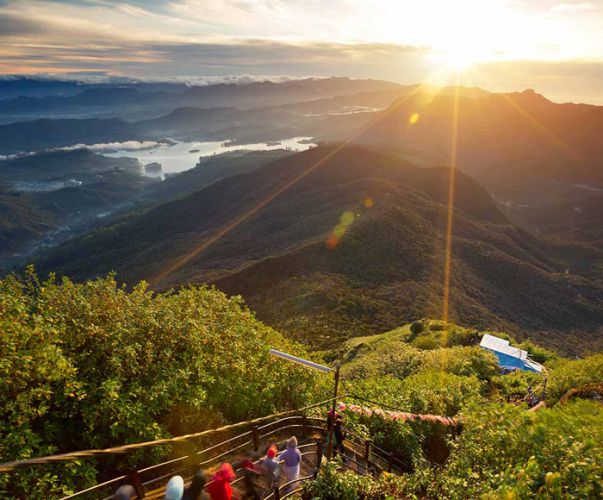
[[227, 228], [450, 211]]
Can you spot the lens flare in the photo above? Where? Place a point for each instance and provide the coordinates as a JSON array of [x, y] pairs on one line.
[[450, 213]]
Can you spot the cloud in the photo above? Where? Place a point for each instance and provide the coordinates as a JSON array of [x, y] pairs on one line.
[[113, 146], [572, 8]]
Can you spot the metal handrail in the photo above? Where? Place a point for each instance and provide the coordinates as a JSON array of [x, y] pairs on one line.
[[76, 455], [379, 455], [376, 452]]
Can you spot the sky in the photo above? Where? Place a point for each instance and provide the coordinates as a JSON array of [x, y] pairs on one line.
[[553, 46]]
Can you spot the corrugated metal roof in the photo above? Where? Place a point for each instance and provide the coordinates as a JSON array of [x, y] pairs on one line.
[[501, 345], [535, 367], [502, 348]]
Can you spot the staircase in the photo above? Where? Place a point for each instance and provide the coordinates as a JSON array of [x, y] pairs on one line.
[[208, 449]]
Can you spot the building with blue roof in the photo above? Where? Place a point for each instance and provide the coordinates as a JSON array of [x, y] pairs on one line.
[[509, 358]]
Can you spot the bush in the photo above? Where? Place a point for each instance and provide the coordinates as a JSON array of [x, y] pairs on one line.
[[503, 452], [514, 386], [388, 358], [537, 353], [416, 327], [332, 484], [92, 365], [440, 393], [506, 452], [567, 374], [462, 361]]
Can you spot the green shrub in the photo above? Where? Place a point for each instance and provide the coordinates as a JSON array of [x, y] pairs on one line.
[[514, 386], [92, 365], [427, 341], [440, 393], [554, 453], [332, 484], [416, 327], [564, 375], [537, 353], [388, 358], [436, 326], [462, 361]]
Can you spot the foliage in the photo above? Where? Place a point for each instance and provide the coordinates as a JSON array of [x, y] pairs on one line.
[[333, 484], [397, 359], [537, 353], [566, 374], [514, 386], [503, 450], [462, 361], [441, 393], [439, 334], [416, 327], [438, 393], [94, 365]]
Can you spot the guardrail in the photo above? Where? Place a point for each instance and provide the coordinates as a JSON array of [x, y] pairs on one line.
[[362, 455]]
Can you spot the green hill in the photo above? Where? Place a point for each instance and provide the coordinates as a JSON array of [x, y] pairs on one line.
[[20, 221], [355, 247], [428, 367], [47, 196], [92, 365]]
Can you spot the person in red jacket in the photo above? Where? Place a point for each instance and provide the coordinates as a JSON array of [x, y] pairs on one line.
[[219, 488]]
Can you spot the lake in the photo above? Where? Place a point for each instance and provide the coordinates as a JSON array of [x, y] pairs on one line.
[[185, 155]]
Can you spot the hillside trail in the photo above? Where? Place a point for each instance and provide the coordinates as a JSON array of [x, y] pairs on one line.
[[351, 461]]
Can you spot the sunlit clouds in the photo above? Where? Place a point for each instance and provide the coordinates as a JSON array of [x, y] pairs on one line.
[[390, 39]]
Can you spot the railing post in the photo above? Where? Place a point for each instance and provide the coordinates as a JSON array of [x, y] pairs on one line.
[[277, 493], [390, 462], [318, 457], [367, 450], [134, 479], [256, 438], [305, 425], [332, 420]]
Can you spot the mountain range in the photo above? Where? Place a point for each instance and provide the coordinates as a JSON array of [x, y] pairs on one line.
[[351, 243]]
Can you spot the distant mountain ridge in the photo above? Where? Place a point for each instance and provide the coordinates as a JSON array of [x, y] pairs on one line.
[[246, 95], [504, 140]]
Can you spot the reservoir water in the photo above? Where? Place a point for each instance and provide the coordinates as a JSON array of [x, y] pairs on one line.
[[181, 156]]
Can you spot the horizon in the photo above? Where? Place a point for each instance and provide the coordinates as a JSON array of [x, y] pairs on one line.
[[205, 81], [554, 47]]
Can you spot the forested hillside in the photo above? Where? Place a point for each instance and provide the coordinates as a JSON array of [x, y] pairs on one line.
[[94, 365], [354, 247]]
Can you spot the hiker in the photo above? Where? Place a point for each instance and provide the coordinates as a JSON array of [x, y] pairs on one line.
[[250, 473], [532, 399], [270, 466], [332, 414], [174, 488], [125, 492], [292, 458], [195, 489], [219, 488], [339, 436]]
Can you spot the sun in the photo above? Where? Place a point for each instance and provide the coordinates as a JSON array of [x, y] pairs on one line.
[[457, 56]]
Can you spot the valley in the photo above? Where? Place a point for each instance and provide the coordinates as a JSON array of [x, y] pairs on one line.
[[277, 249], [351, 247]]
